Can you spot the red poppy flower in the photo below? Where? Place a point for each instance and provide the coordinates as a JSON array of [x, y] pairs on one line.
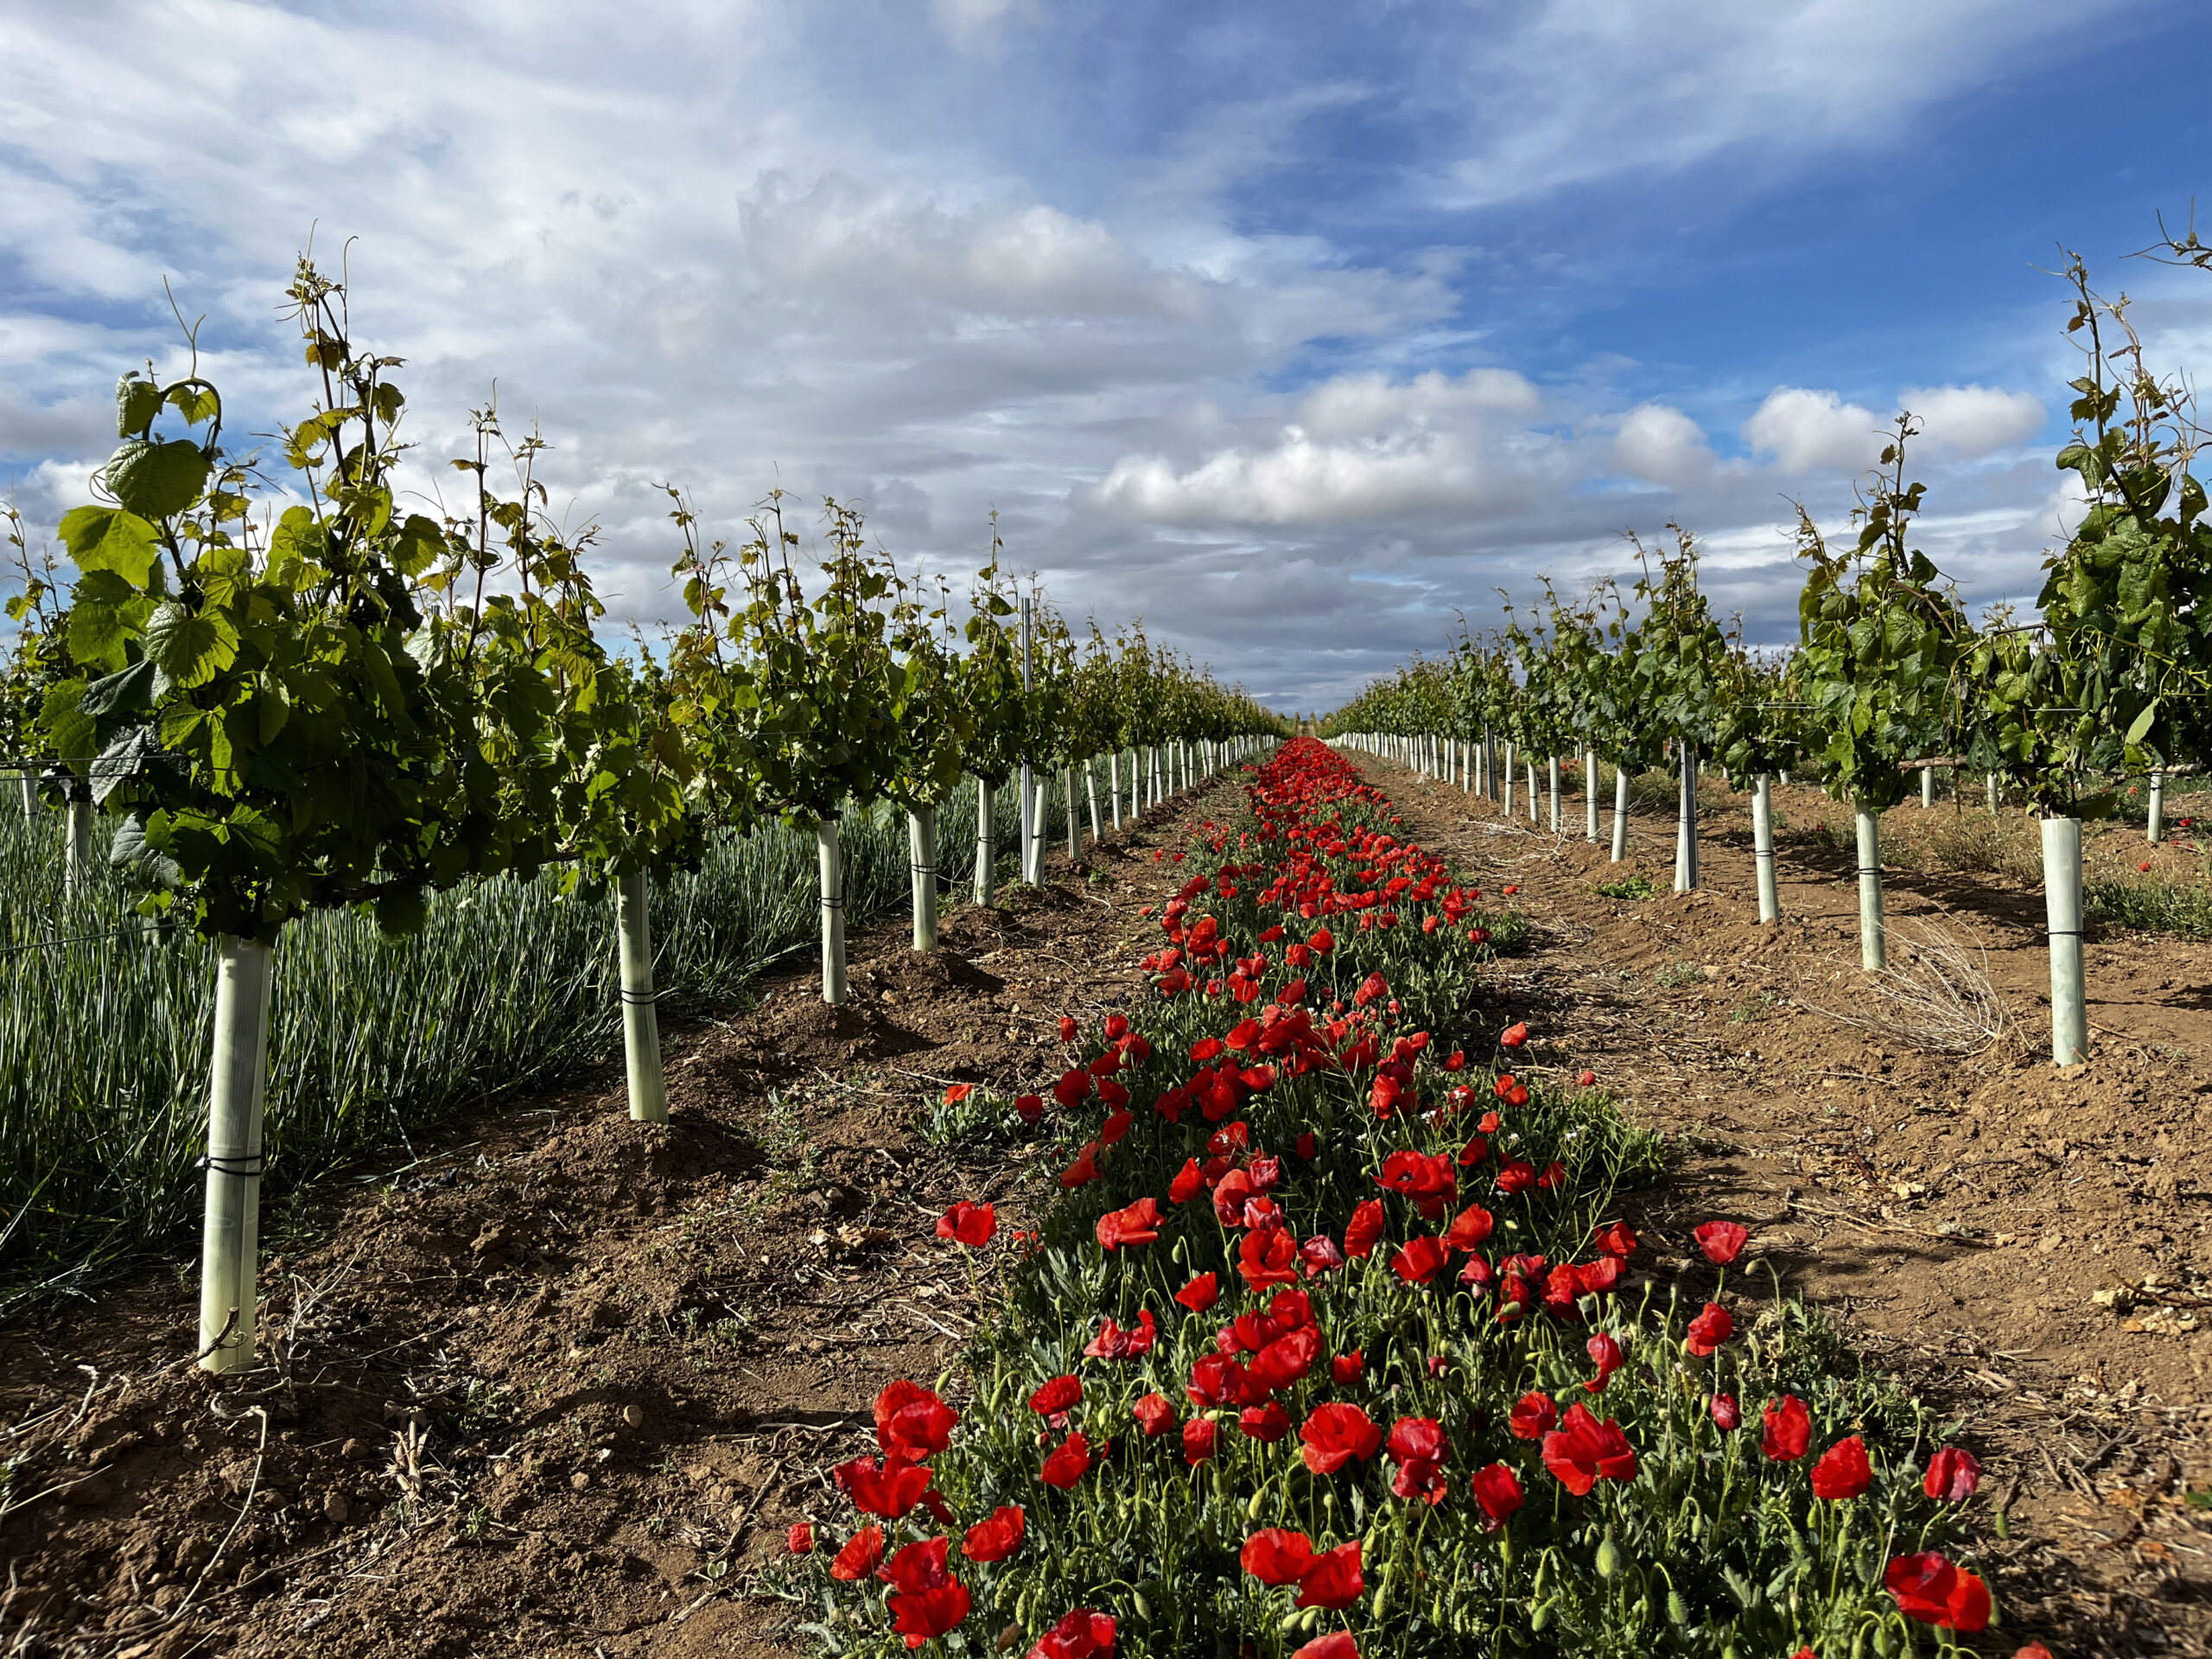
[[1417, 1446], [972, 1224], [1364, 1229], [1114, 1343], [888, 1491], [1055, 1395], [997, 1538], [1338, 1645], [911, 1424], [1085, 1170], [1079, 1635], [1118, 1123], [1419, 1259], [920, 1565], [1345, 1370], [1267, 1257], [1067, 1029], [1786, 1430], [1372, 987], [1200, 1293], [1952, 1476], [1029, 1107], [1275, 1556], [1532, 1417], [1322, 942], [1188, 1182], [1585, 1079], [1336, 1434], [1216, 1380], [1721, 1240], [1287, 1359], [800, 1539], [928, 1613], [1710, 1329], [1199, 1436], [1334, 1579], [1597, 1278], [1605, 1355], [1073, 1088], [1928, 1588], [1155, 1415], [1497, 1489], [1516, 1177], [1581, 1450], [1136, 1223], [1319, 1255], [860, 1556], [1514, 1035], [1616, 1241], [1469, 1228], [1067, 1462], [1267, 1423], [1428, 1179], [1726, 1413], [1842, 1471]]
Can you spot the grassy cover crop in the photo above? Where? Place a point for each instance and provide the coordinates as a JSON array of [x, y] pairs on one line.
[[104, 1030], [1334, 1343]]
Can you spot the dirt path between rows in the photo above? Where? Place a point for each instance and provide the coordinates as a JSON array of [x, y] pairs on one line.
[[1967, 1218], [557, 1384]]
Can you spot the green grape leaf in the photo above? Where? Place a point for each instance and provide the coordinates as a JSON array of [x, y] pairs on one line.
[[191, 650], [130, 692], [194, 402], [157, 479], [2142, 722], [96, 635], [61, 717], [109, 538], [137, 401]]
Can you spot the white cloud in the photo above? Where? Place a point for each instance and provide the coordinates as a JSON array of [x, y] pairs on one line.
[[1579, 91], [1806, 431], [1660, 444], [1972, 421], [1363, 447]]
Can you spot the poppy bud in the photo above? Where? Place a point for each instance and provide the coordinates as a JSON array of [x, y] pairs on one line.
[[800, 1539]]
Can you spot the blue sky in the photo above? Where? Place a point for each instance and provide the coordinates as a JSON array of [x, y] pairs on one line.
[[1297, 328]]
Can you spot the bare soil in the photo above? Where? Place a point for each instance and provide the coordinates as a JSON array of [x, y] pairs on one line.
[[2032, 1246], [557, 1385]]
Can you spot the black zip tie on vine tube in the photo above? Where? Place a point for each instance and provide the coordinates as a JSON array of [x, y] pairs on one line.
[[248, 1165], [639, 999], [838, 903]]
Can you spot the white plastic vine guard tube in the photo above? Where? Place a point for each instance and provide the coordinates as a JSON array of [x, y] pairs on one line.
[[1686, 821], [1620, 812], [921, 855], [2157, 828], [648, 1086], [1763, 847], [230, 1237], [833, 911], [987, 842], [2062, 898], [1871, 953]]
